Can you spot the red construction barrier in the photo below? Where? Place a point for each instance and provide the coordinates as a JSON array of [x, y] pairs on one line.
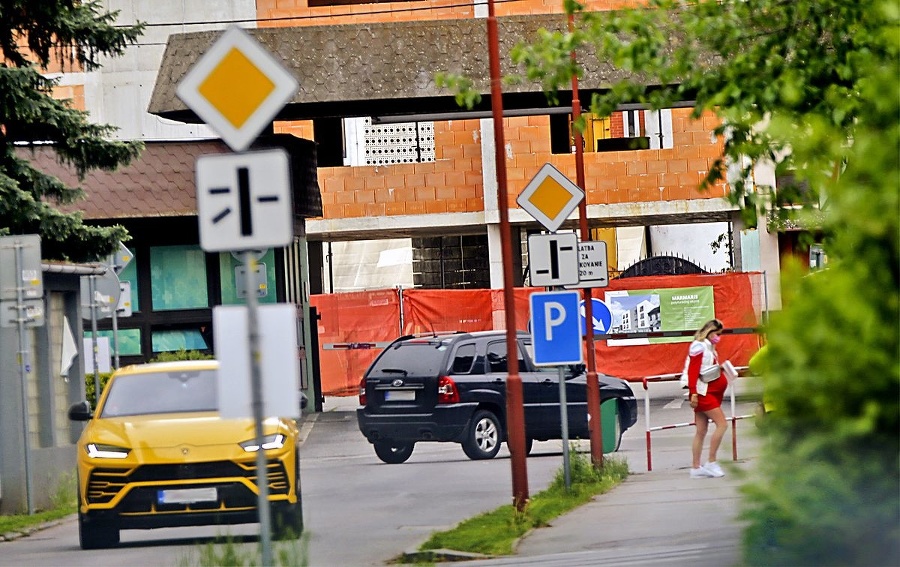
[[671, 378], [376, 317], [356, 318]]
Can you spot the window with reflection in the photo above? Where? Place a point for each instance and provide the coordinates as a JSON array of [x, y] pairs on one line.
[[129, 341], [463, 360], [171, 340], [178, 278], [496, 356]]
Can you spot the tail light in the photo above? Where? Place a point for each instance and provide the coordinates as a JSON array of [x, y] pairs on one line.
[[447, 392], [362, 392]]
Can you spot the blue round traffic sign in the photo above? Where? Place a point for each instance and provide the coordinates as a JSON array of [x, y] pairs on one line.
[[601, 315]]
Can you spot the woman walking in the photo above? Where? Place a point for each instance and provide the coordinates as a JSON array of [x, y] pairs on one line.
[[706, 387]]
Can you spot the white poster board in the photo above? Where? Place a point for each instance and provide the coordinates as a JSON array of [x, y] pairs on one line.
[[104, 363]]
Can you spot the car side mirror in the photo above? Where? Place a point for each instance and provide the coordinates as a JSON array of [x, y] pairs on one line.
[[80, 411]]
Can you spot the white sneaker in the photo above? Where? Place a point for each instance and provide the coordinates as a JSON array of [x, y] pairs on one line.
[[714, 469], [700, 472]]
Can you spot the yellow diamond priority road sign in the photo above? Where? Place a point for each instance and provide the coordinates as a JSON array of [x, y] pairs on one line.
[[550, 197], [237, 87]]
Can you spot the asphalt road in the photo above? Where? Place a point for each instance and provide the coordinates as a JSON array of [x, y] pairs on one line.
[[359, 511]]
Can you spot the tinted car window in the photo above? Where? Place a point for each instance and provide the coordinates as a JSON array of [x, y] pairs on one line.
[[162, 392], [463, 360], [530, 348], [412, 358], [496, 355]]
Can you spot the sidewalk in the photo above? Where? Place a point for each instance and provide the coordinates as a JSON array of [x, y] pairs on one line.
[[653, 518], [658, 517]]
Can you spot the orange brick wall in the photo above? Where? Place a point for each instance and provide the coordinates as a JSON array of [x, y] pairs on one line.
[[300, 128], [278, 13], [453, 182], [555, 6], [450, 184]]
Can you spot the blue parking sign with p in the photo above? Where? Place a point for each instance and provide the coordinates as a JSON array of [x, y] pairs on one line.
[[555, 328]]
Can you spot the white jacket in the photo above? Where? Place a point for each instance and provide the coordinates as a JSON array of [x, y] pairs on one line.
[[708, 366]]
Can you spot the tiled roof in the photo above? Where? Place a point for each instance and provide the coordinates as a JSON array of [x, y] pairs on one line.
[[363, 69], [160, 183]]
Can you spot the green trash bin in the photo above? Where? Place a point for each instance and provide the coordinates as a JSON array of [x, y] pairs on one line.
[[609, 422]]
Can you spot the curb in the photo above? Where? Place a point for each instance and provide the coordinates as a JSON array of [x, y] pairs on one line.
[[439, 555], [25, 532]]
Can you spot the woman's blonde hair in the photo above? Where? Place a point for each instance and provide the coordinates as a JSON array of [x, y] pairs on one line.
[[711, 326]]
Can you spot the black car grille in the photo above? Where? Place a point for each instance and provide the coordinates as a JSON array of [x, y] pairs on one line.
[[105, 483]]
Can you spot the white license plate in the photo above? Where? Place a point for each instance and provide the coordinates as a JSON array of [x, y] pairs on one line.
[[187, 495], [399, 396]]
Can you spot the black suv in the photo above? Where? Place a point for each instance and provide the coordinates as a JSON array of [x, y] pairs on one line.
[[452, 387]]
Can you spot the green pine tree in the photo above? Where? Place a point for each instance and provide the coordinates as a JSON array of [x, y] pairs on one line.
[[32, 35]]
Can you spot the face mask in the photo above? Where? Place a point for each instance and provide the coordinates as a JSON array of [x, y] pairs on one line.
[[715, 339]]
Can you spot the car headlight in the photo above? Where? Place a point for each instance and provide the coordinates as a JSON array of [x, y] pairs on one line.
[[274, 441], [100, 451]]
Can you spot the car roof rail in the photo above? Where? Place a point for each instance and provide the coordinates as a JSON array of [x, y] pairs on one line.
[[431, 334]]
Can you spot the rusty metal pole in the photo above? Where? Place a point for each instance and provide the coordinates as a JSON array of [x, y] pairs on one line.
[[595, 426], [515, 413]]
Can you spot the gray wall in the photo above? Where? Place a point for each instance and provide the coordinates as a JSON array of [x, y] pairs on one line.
[[51, 438]]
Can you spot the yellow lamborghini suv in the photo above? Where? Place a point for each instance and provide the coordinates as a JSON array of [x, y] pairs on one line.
[[157, 454]]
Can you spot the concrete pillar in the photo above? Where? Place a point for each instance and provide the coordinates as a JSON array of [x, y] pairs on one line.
[[491, 210], [769, 254]]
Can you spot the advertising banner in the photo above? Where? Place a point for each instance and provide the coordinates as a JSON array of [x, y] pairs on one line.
[[664, 309]]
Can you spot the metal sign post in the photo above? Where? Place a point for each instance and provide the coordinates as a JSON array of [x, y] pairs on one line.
[[556, 341], [92, 291], [115, 333], [243, 199], [117, 261], [564, 416], [262, 477], [23, 372]]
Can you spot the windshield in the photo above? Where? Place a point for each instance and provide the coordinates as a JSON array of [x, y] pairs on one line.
[[418, 357], [161, 392]]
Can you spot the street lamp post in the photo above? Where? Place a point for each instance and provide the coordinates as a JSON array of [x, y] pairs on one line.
[[515, 419], [593, 385]]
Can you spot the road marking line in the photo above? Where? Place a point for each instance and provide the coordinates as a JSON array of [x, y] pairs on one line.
[[674, 404]]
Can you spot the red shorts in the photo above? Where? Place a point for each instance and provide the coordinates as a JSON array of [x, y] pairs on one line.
[[714, 395]]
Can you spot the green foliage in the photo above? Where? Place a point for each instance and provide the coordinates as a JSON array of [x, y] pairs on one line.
[[809, 86], [76, 34], [741, 59], [495, 532], [65, 496], [23, 522], [231, 552], [830, 466], [90, 390], [63, 502], [465, 93], [181, 354]]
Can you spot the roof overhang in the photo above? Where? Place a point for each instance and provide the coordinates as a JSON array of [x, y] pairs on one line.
[[384, 69]]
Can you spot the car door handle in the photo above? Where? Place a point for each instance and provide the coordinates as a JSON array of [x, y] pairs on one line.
[[498, 380], [548, 382]]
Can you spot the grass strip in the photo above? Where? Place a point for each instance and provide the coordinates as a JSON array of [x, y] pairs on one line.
[[495, 532], [22, 522]]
